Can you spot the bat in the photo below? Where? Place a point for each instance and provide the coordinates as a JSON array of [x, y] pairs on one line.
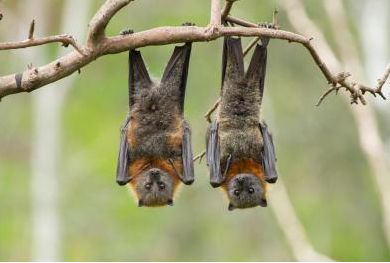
[[239, 148], [155, 152]]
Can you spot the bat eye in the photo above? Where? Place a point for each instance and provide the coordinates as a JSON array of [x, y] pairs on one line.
[[161, 185], [236, 192], [251, 190], [148, 186]]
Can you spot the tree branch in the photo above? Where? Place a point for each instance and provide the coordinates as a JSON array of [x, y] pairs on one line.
[[100, 20], [226, 10], [337, 81], [99, 45], [215, 16], [65, 39]]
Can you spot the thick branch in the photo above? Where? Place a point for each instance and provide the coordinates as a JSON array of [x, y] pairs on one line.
[[101, 19], [215, 16], [172, 35]]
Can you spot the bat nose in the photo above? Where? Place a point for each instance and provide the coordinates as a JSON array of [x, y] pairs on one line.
[[155, 174]]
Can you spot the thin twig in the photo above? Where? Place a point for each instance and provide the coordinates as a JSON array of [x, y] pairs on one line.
[[199, 156], [66, 40], [211, 110], [251, 45], [226, 10], [31, 30]]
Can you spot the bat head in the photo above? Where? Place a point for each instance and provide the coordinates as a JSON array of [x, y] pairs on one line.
[[244, 191], [154, 187]]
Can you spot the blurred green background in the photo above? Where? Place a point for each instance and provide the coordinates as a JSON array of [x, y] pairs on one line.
[[328, 179]]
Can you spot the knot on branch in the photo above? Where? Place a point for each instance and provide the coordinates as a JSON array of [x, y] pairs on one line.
[[212, 32]]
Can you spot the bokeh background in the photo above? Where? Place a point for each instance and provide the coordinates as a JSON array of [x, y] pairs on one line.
[[58, 145]]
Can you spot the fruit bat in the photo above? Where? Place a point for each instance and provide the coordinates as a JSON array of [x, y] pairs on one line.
[[155, 153], [239, 148]]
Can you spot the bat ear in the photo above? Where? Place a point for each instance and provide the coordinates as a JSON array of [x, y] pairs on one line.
[[176, 71], [232, 60], [256, 72], [263, 202], [231, 207], [138, 75]]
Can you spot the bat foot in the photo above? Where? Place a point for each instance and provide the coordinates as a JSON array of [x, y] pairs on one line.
[[268, 25], [188, 24], [126, 32]]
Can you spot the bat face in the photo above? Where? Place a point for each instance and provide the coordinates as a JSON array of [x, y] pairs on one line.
[[244, 191], [154, 187]]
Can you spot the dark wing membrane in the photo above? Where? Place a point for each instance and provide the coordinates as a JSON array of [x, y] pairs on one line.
[[255, 75], [138, 75], [232, 60], [212, 155], [122, 176], [268, 155], [176, 72], [188, 164]]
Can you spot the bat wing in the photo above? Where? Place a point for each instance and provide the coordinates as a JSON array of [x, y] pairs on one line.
[[122, 176], [268, 155], [256, 72], [212, 155], [176, 72], [188, 164], [138, 75]]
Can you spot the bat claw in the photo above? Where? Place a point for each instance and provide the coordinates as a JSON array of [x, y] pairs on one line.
[[188, 182], [123, 182], [215, 184]]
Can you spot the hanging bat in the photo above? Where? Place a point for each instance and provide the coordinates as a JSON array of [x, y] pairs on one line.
[[240, 151], [155, 153]]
